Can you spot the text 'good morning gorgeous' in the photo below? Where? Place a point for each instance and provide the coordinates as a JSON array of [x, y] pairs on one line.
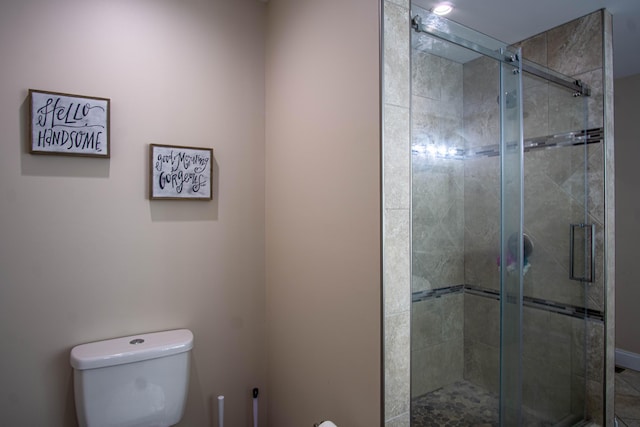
[[178, 168]]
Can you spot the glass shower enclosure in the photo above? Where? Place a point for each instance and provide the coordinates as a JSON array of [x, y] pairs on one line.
[[503, 241]]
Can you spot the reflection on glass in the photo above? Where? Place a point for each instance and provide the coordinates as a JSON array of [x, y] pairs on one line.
[[498, 167]]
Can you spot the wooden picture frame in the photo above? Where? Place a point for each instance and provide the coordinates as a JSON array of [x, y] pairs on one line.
[[68, 125], [180, 172]]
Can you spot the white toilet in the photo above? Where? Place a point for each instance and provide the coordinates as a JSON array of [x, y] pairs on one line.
[[136, 381]]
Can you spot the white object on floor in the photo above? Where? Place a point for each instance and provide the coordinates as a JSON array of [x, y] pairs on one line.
[[220, 411], [327, 424]]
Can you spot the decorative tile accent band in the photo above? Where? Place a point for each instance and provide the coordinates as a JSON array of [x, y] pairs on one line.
[[436, 293], [541, 304], [568, 139]]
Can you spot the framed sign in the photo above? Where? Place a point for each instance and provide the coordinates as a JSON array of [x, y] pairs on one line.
[[70, 125], [180, 173]]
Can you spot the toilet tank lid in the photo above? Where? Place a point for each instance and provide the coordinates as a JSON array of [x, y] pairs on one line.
[[131, 349]]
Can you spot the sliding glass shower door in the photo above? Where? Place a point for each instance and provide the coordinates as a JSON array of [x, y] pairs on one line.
[[511, 240], [502, 242], [559, 243]]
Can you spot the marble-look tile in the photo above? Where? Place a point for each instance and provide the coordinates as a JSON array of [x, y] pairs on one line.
[[426, 324], [431, 237], [481, 257], [426, 75], [482, 365], [595, 102], [547, 357], [482, 221], [628, 383], [397, 362], [437, 320], [440, 268], [396, 263], [546, 389], [437, 223], [402, 3], [610, 231], [482, 320], [609, 392], [578, 342], [548, 279], [548, 172], [452, 93], [596, 182], [559, 164], [547, 340], [548, 214], [481, 108], [594, 401], [577, 394], [482, 129], [482, 211], [627, 397], [566, 112], [403, 420], [459, 404], [426, 231], [534, 49], [595, 289], [437, 100], [453, 316], [595, 353], [436, 366], [396, 51], [439, 188], [484, 172], [419, 281], [535, 110], [576, 47], [396, 238], [435, 122], [397, 157]]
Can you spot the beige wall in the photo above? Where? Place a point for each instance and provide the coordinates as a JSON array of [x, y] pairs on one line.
[[627, 105], [84, 255], [323, 212]]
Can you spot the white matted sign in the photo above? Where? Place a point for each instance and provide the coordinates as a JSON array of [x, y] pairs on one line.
[[180, 173], [71, 125]]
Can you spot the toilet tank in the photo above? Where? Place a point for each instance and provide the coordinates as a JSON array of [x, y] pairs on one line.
[[139, 380]]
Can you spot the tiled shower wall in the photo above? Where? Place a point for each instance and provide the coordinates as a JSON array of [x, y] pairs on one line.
[[437, 223], [396, 172], [452, 322]]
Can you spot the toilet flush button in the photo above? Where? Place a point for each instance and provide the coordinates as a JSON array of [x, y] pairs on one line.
[[136, 341]]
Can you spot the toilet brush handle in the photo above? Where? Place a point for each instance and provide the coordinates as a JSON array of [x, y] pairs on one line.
[[255, 407], [220, 411]]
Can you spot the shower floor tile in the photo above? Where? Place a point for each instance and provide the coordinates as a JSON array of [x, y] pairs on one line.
[[458, 404], [461, 404], [627, 398]]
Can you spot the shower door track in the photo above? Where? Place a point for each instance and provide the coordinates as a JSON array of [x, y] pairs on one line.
[[578, 87]]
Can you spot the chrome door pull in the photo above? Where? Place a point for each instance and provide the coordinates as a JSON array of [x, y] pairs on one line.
[[588, 235]]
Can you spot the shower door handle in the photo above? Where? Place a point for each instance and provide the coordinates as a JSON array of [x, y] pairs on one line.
[[586, 233]]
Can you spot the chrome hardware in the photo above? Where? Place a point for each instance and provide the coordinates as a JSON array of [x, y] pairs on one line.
[[588, 263]]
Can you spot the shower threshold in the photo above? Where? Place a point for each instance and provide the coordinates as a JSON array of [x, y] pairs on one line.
[[465, 404]]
